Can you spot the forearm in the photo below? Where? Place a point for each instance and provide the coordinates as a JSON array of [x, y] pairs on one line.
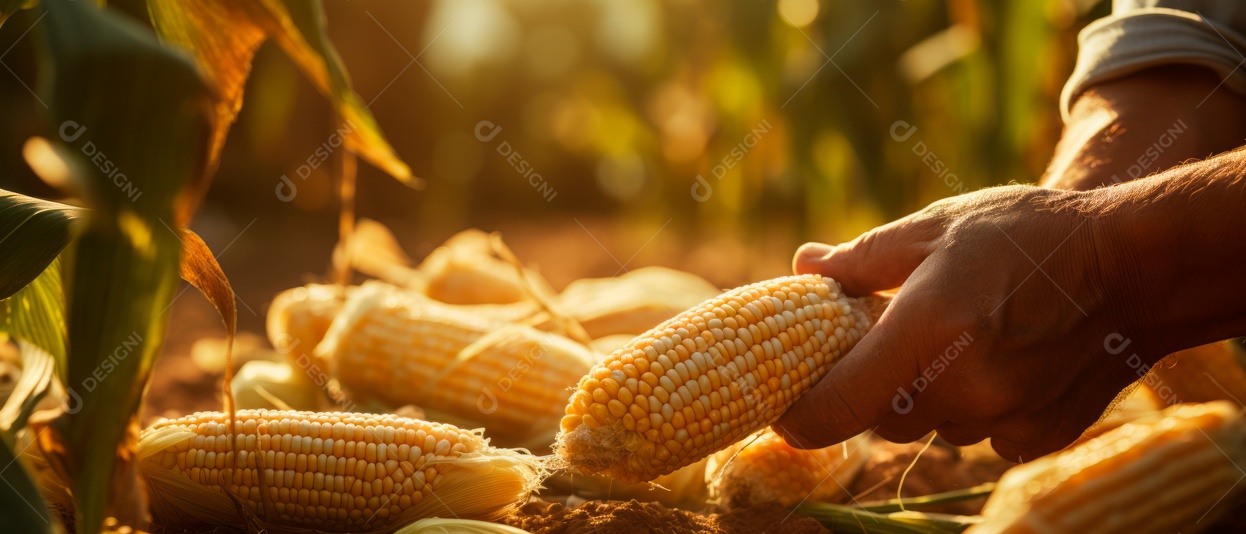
[[1177, 244], [1143, 124]]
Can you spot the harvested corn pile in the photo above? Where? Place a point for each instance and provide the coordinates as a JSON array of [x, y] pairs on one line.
[[328, 471], [707, 377], [765, 469], [619, 517], [1176, 471], [685, 404]]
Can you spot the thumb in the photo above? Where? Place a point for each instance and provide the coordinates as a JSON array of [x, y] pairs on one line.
[[873, 381], [877, 260]]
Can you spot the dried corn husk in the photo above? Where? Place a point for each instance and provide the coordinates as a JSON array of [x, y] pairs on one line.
[[274, 385], [634, 302], [465, 270]]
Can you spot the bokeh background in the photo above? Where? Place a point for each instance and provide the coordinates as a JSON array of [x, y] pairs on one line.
[[786, 109]]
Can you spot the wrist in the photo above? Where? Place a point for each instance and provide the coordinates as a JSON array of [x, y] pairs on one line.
[[1170, 256], [1135, 255]]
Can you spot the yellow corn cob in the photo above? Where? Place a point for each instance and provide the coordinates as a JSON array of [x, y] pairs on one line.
[[707, 377], [298, 319], [765, 469], [401, 349], [1171, 472], [334, 472]]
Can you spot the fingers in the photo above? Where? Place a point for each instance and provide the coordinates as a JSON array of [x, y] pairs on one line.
[[911, 421], [1024, 438], [959, 434], [879, 259], [872, 381]]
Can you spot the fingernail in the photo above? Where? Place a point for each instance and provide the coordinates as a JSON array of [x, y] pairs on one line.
[[808, 256], [814, 250]]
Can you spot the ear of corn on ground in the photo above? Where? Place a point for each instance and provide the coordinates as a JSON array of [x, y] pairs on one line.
[[765, 469], [707, 377], [298, 319], [332, 472], [1175, 471], [403, 349]]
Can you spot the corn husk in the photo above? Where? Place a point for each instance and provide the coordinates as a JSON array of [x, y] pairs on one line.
[[606, 345], [634, 302], [685, 488], [274, 385], [465, 270], [441, 525], [208, 353]]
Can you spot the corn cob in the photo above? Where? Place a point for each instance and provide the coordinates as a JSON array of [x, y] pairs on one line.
[[299, 318], [707, 377], [334, 472], [765, 469], [400, 349], [1171, 472]]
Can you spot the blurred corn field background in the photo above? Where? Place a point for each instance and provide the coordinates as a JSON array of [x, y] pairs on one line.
[[603, 135]]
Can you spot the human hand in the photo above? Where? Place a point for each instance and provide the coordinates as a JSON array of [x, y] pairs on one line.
[[997, 331], [1143, 124]]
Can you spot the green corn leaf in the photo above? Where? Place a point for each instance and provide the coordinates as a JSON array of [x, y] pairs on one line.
[[21, 506], [36, 314], [123, 104], [32, 233]]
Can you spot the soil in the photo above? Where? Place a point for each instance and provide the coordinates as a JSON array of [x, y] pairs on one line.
[[941, 468], [635, 517]]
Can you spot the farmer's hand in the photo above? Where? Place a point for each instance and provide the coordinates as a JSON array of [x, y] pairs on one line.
[[1145, 123], [998, 330], [1014, 302]]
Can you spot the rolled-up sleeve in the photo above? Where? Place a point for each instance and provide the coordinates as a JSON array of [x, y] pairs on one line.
[[1141, 34]]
